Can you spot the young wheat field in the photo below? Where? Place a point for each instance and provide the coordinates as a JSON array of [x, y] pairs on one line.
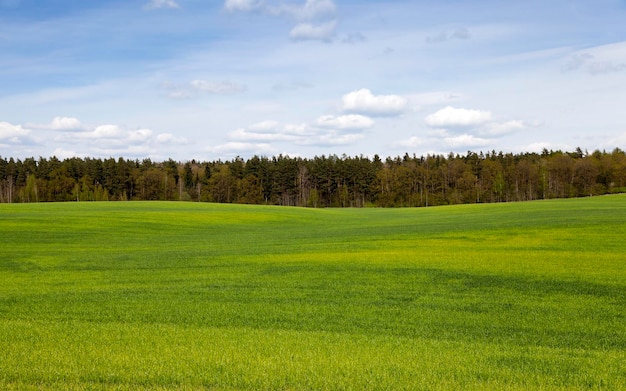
[[164, 295]]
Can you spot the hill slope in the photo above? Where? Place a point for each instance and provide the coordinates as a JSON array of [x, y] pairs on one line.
[[188, 295]]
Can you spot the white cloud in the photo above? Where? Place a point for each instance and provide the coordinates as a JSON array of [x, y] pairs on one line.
[[66, 123], [12, 132], [317, 8], [345, 122], [316, 18], [153, 4], [140, 135], [311, 10], [263, 126], [220, 87], [105, 131], [298, 129], [328, 130], [433, 98], [308, 31], [451, 116], [243, 134], [363, 101], [501, 128], [466, 141], [115, 136], [266, 131], [332, 139], [241, 5], [65, 154], [168, 138]]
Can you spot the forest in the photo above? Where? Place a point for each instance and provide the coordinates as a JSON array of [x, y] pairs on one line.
[[322, 181]]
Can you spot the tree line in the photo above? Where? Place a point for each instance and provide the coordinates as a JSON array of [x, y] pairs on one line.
[[322, 181]]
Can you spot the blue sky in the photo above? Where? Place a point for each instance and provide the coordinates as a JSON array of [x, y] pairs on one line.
[[204, 79]]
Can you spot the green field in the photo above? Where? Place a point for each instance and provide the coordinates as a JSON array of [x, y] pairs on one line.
[[157, 295]]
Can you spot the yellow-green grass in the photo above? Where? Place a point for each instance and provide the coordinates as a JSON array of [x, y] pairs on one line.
[[206, 296]]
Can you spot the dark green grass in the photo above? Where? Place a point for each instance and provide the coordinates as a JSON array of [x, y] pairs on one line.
[[192, 296]]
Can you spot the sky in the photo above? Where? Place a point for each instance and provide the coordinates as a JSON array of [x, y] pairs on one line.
[[217, 79]]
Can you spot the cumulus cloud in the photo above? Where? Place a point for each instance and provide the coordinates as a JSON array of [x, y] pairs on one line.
[[12, 132], [70, 135], [308, 31], [345, 122], [153, 4], [110, 137], [139, 135], [327, 130], [466, 128], [342, 128], [104, 131], [66, 123], [453, 117], [363, 101]]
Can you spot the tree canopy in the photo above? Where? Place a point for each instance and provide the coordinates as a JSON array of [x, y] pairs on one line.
[[322, 181]]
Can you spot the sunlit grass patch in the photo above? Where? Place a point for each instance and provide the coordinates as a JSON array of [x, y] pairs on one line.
[[196, 296]]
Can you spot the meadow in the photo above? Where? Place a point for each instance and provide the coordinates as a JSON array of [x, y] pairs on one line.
[[174, 295]]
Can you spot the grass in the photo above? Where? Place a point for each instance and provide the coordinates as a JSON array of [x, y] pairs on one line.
[[207, 296]]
